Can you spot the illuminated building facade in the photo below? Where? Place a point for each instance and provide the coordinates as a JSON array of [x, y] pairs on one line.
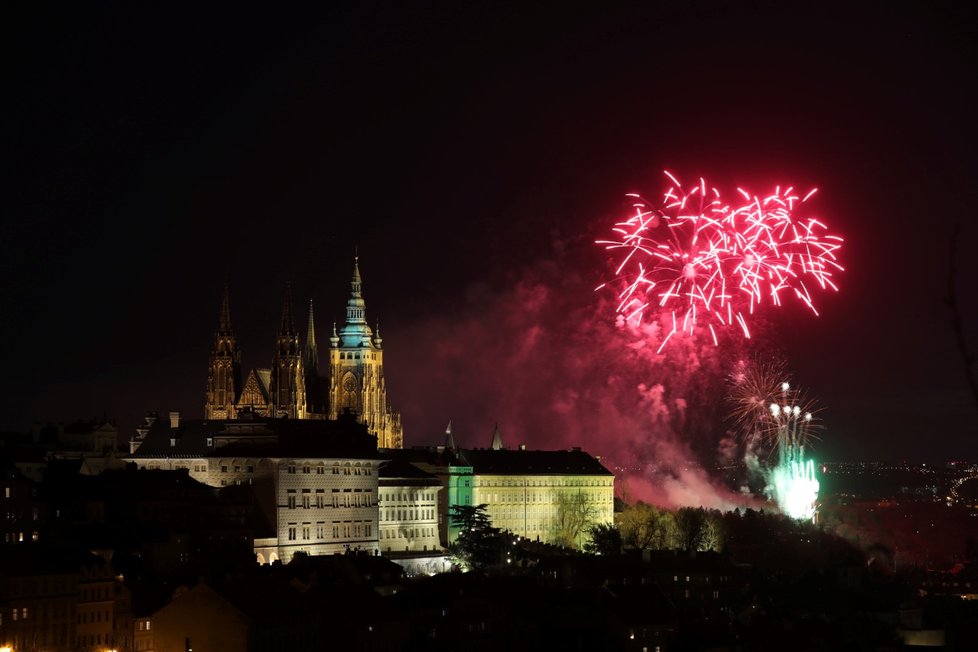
[[314, 481], [551, 496], [547, 496], [409, 509], [292, 387]]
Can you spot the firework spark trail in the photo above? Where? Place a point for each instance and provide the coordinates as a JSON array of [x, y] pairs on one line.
[[707, 262], [776, 418]]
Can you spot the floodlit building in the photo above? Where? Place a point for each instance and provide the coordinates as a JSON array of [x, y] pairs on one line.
[[292, 387], [548, 496], [551, 496], [315, 481], [409, 508]]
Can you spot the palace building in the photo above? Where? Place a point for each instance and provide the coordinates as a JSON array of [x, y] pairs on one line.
[[314, 482], [293, 387], [551, 496]]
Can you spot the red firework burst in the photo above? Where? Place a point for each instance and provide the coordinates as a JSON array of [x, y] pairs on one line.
[[702, 261]]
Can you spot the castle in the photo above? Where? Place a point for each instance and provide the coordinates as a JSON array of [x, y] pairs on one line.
[[293, 387]]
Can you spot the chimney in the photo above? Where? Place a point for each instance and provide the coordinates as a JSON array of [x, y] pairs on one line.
[[174, 419]]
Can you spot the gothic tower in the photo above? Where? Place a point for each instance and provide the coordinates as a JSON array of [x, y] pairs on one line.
[[315, 398], [224, 373], [356, 372], [287, 385]]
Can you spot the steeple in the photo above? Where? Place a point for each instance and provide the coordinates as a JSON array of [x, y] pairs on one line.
[[224, 371], [314, 394], [287, 387], [311, 353], [497, 439], [449, 440], [356, 372], [356, 332]]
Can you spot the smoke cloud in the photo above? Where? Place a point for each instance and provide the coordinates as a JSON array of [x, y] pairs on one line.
[[545, 356]]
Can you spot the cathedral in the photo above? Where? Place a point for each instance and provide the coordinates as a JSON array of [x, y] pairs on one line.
[[293, 387]]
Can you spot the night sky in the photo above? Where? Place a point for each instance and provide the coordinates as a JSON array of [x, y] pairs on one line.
[[472, 153]]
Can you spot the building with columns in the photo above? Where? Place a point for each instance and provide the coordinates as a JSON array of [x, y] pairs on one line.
[[293, 387]]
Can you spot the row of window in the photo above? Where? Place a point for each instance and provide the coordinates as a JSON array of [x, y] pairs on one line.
[[411, 496], [483, 482], [224, 483], [411, 533], [84, 618], [407, 514], [336, 470], [356, 498], [249, 468], [534, 497], [13, 516], [344, 530], [351, 355], [18, 537]]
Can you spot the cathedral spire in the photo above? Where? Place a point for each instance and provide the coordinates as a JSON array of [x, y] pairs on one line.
[[311, 331], [497, 439], [355, 306], [224, 371], [311, 353], [314, 396], [356, 332], [449, 440], [287, 387]]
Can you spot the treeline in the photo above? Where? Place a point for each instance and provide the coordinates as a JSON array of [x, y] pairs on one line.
[[641, 526]]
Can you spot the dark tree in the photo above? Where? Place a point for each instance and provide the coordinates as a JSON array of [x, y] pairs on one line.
[[603, 539], [689, 527], [478, 543]]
